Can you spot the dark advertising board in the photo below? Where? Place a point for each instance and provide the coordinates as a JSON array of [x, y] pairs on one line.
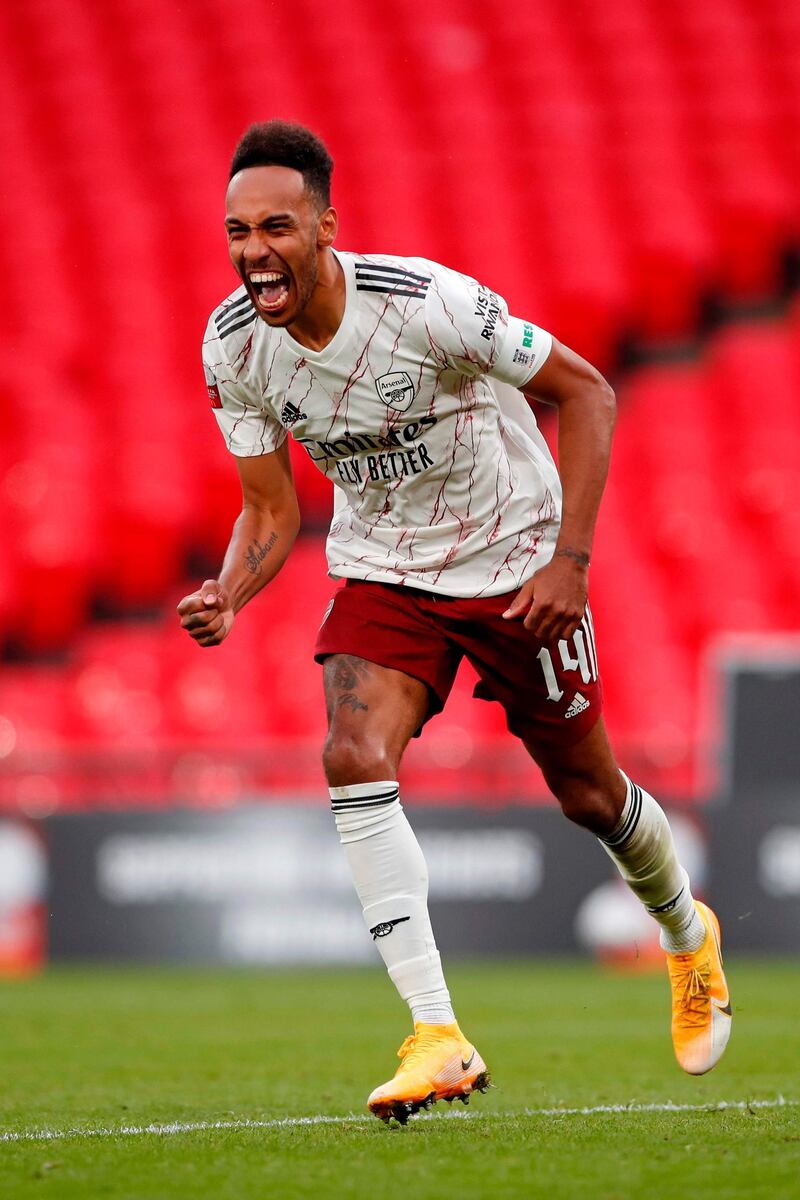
[[270, 884], [755, 870]]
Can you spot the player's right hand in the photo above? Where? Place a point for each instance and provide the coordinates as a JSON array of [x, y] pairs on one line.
[[207, 615]]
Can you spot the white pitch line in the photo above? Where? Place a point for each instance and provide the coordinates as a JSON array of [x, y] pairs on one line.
[[667, 1107], [173, 1127]]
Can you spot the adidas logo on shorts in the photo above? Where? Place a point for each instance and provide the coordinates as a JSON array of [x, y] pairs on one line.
[[579, 703]]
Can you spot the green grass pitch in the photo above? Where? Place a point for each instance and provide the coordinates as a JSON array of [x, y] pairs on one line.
[[102, 1050]]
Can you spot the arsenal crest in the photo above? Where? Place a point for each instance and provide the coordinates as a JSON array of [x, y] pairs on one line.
[[396, 390]]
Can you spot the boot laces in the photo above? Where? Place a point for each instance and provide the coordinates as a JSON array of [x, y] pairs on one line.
[[407, 1046], [692, 985], [416, 1046]]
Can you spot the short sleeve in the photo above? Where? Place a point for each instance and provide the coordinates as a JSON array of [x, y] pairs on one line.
[[524, 349], [469, 329], [247, 428]]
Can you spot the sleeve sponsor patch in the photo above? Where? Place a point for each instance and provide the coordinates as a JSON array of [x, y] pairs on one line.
[[212, 387], [524, 350]]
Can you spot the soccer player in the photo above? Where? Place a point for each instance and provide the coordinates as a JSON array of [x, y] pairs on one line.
[[409, 385]]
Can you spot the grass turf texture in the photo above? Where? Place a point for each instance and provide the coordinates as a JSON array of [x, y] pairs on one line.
[[98, 1048]]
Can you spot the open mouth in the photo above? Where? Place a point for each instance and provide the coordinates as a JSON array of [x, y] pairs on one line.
[[271, 289]]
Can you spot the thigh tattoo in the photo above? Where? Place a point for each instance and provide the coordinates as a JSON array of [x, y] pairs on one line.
[[344, 673]]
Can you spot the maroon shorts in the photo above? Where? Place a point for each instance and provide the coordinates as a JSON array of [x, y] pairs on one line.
[[551, 692]]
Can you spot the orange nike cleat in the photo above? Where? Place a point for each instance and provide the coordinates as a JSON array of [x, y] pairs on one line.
[[438, 1063], [701, 1007]]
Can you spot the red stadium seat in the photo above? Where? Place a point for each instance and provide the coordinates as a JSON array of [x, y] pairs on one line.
[[606, 168]]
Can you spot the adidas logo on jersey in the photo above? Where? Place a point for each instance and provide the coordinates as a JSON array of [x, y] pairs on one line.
[[291, 414], [579, 703]]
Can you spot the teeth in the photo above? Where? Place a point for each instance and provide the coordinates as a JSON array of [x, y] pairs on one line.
[[266, 276]]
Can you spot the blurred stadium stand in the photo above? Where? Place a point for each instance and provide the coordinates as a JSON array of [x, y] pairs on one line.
[[626, 174]]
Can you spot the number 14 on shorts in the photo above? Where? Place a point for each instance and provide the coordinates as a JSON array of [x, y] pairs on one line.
[[576, 653]]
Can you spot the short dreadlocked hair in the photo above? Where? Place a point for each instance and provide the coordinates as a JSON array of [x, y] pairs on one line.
[[282, 144]]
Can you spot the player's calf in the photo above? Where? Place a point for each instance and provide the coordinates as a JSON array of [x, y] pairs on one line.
[[642, 848], [391, 879], [634, 831]]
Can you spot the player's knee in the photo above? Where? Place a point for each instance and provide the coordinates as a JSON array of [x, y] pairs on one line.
[[346, 760], [586, 804]]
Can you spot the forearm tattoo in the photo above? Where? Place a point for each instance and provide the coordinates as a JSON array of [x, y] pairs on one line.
[[256, 553]]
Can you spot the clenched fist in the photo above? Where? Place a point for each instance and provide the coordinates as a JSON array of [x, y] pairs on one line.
[[207, 615]]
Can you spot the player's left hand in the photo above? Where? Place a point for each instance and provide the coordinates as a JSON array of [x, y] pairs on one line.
[[553, 601]]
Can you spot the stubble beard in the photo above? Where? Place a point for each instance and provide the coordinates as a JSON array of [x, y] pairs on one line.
[[305, 282], [305, 288]]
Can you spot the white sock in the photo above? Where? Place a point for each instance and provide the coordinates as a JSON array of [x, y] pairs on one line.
[[643, 849], [391, 880]]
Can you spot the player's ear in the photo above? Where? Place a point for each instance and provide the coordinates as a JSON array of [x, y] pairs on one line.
[[327, 227]]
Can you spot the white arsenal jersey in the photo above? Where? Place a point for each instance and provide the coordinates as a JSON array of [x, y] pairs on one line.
[[443, 481]]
